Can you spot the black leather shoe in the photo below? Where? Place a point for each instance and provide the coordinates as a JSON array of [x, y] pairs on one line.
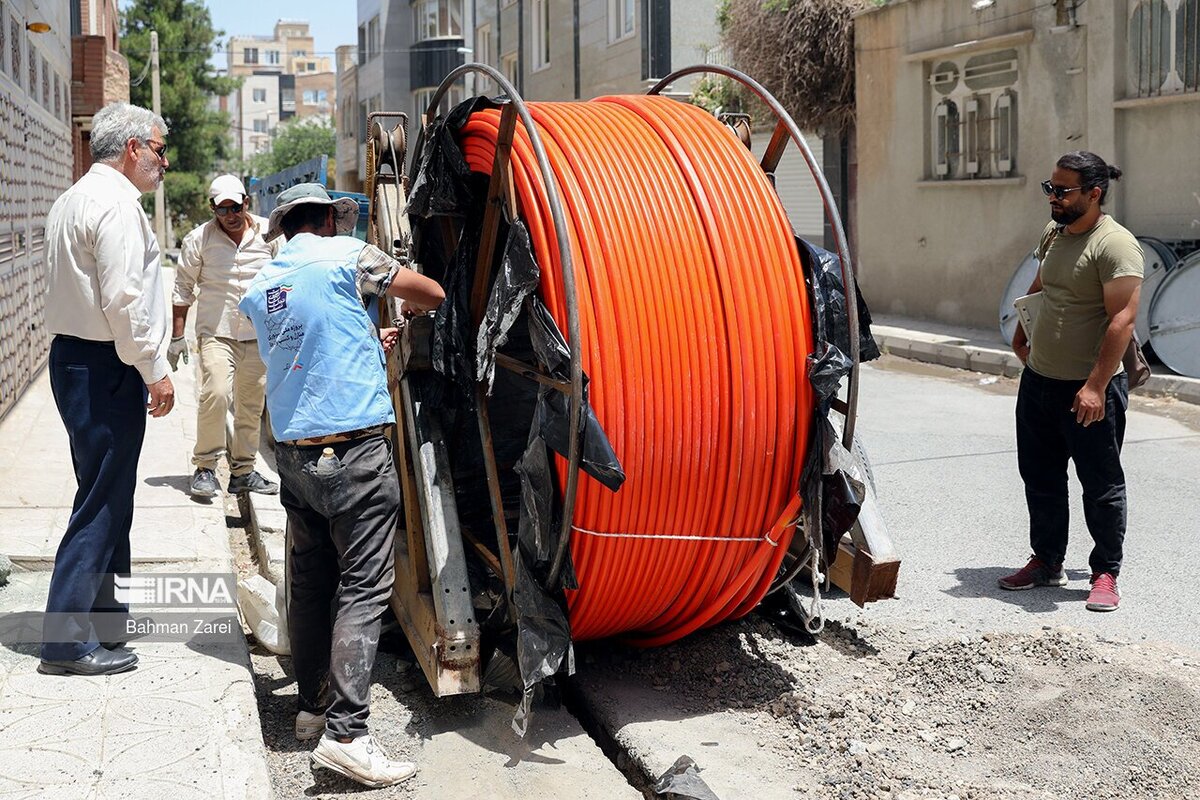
[[100, 661]]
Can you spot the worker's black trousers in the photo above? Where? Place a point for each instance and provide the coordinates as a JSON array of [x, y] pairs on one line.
[[342, 513], [1047, 437]]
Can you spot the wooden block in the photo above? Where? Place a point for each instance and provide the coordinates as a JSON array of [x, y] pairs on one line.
[[859, 575]]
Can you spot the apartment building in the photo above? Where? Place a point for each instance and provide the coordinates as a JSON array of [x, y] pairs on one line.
[[348, 178], [284, 77]]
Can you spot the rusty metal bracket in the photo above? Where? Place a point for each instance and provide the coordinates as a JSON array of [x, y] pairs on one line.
[[570, 295]]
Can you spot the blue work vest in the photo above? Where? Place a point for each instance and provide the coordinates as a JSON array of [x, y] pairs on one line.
[[325, 366]]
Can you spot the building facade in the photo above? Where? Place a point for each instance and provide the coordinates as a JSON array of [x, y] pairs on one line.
[[99, 73], [283, 78], [964, 108], [36, 165], [348, 178], [401, 46], [549, 49], [580, 49]]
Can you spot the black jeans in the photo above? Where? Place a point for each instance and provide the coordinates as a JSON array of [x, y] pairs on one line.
[[1047, 436], [342, 515], [102, 402]]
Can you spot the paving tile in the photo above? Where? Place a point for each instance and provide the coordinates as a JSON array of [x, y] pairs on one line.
[[31, 534]]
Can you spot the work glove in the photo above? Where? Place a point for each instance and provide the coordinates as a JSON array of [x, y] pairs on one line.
[[177, 348]]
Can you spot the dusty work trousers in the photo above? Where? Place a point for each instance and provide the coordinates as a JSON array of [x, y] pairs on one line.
[[342, 514], [102, 402], [1047, 436], [231, 373]]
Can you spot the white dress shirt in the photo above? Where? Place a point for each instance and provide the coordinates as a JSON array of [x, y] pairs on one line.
[[220, 272], [105, 281]]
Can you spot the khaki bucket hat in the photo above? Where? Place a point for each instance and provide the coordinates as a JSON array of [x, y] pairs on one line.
[[345, 210]]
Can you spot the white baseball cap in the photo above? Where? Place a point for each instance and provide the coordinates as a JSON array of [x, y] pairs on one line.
[[226, 187]]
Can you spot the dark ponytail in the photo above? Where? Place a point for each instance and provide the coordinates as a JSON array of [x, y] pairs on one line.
[[1093, 171]]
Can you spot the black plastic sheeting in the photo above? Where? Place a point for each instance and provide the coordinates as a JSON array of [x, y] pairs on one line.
[[826, 483], [830, 361], [540, 415], [440, 187], [516, 280], [682, 781]]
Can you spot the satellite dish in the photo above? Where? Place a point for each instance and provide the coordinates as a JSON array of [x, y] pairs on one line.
[[1160, 260], [1018, 286], [1175, 318]]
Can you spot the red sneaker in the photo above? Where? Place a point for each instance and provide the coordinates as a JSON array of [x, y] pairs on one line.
[[1035, 573], [1105, 596]]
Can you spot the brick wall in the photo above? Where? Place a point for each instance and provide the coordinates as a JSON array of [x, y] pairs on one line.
[[99, 76]]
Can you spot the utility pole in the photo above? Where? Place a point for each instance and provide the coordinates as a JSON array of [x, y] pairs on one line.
[[160, 198]]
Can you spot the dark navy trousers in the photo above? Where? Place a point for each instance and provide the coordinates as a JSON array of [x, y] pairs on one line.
[[102, 402], [1047, 437]]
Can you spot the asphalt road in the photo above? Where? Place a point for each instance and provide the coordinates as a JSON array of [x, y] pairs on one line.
[[942, 445]]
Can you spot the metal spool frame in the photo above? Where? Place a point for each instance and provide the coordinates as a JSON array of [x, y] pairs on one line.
[[430, 639]]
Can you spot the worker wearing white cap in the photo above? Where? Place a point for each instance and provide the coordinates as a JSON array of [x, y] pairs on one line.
[[218, 261]]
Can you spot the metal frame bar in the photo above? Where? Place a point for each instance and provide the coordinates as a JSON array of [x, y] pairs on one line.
[[558, 219], [499, 187], [432, 596]]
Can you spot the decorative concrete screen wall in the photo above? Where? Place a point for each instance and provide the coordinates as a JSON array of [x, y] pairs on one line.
[[35, 168]]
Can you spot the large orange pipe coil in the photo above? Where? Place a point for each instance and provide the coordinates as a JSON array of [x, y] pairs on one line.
[[695, 330]]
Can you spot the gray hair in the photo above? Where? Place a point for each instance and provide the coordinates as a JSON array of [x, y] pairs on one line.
[[115, 124]]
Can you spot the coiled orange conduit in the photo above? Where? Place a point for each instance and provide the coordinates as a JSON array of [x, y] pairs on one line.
[[695, 332]]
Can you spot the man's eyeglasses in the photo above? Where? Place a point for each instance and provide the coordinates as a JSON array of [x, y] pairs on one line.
[[1059, 192], [221, 211], [158, 148]]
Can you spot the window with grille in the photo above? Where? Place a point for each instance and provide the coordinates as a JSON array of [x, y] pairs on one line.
[[15, 52], [483, 55], [437, 19], [540, 40], [422, 98], [509, 67], [621, 14], [250, 55], [973, 129], [373, 45], [1164, 47]]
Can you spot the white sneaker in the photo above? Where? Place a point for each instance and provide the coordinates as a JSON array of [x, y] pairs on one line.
[[361, 760], [309, 726]]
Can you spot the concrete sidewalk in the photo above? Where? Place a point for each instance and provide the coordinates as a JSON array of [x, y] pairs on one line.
[[185, 722], [985, 351]]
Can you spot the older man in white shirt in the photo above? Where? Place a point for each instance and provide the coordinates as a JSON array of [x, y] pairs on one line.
[[218, 261], [108, 369]]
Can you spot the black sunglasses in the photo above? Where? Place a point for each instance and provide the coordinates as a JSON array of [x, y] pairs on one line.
[[1059, 192], [158, 148], [221, 211]]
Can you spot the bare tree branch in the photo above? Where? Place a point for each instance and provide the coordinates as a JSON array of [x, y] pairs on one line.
[[802, 51]]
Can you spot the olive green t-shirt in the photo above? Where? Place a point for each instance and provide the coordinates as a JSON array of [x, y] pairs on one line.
[[1071, 324]]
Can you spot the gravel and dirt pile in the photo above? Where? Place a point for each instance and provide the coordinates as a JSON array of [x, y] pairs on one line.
[[869, 714], [863, 712]]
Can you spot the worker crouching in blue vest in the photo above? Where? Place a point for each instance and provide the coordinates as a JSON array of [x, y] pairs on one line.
[[329, 406]]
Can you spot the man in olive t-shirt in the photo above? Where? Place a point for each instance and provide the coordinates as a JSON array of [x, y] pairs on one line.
[[1073, 394]]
